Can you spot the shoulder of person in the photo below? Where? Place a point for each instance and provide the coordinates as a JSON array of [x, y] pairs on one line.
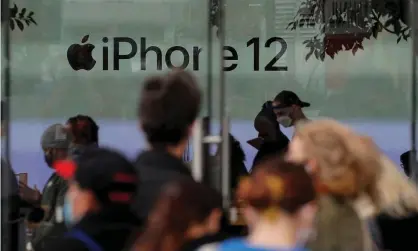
[[232, 244], [65, 244]]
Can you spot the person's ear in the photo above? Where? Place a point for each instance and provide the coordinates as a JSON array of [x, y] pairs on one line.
[[312, 166], [90, 197], [306, 214], [296, 107], [214, 221], [52, 152], [250, 216]]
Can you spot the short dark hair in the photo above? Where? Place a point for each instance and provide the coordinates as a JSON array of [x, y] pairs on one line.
[[168, 106], [83, 129]]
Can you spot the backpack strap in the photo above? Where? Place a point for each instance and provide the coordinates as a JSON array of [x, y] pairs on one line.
[[86, 239]]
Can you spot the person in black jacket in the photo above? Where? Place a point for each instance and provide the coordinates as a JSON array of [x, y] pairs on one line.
[[237, 161], [399, 234], [97, 210], [238, 168], [9, 200], [168, 107], [272, 140]]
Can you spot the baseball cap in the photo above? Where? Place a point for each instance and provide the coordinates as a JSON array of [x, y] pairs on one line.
[[289, 98], [56, 136], [108, 174]]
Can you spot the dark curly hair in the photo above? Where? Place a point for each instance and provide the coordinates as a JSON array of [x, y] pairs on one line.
[[84, 130]]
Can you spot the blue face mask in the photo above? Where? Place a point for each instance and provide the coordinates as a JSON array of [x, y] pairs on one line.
[[68, 212]]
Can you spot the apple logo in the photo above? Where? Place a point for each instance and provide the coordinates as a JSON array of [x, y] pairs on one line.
[[80, 55]]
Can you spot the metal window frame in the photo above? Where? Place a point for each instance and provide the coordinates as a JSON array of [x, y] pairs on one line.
[[413, 127], [6, 91]]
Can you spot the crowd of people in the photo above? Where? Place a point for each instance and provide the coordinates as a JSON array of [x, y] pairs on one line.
[[327, 189]]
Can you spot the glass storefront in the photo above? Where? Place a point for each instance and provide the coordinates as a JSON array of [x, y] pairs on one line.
[[353, 60], [349, 59]]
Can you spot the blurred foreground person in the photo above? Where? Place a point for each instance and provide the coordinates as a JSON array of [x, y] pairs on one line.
[[168, 107], [400, 233], [356, 182], [271, 139], [102, 186], [85, 134], [55, 142], [186, 216], [279, 207], [9, 199]]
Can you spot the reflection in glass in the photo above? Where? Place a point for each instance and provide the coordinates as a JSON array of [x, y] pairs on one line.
[[47, 90], [350, 59]]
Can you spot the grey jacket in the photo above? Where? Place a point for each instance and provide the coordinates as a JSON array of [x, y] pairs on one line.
[[53, 196], [340, 228]]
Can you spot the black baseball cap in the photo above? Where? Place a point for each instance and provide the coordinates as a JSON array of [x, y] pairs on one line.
[[108, 174], [287, 99]]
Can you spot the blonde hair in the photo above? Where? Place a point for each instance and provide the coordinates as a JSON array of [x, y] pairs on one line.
[[398, 195], [352, 165]]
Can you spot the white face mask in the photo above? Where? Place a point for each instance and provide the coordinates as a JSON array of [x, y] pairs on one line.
[[285, 121]]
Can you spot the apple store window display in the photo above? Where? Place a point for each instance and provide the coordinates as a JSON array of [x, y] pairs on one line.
[[89, 57]]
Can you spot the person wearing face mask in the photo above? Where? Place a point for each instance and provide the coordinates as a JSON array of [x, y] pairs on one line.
[[55, 143], [97, 210], [288, 108], [10, 201], [271, 139]]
